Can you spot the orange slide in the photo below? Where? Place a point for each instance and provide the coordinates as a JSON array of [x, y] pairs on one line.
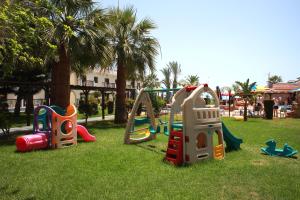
[[86, 136]]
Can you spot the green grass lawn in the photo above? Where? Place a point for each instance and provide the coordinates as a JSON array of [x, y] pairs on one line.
[[108, 169]]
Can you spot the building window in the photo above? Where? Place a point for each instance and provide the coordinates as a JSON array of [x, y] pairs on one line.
[[96, 79], [83, 80], [107, 80], [138, 85]]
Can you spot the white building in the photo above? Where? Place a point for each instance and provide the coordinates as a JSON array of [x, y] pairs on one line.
[[96, 77]]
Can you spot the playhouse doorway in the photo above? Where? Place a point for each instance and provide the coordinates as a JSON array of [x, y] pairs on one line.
[[218, 145]]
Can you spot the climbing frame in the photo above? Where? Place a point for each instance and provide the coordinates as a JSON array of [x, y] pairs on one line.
[[142, 98], [64, 128]]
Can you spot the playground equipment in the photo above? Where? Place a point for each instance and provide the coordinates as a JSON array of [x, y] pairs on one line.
[[232, 142], [271, 149], [59, 129], [191, 137], [132, 135], [192, 140]]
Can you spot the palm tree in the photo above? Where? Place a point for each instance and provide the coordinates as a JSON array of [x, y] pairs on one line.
[[133, 47], [245, 93], [78, 33], [235, 88], [228, 90], [167, 72], [191, 80], [274, 79], [176, 70], [151, 81]]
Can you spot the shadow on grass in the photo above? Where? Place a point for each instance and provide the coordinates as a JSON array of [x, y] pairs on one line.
[[152, 148], [5, 190], [8, 140], [285, 157], [105, 125]]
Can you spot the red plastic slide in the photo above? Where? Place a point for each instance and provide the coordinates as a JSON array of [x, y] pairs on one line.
[[86, 136]]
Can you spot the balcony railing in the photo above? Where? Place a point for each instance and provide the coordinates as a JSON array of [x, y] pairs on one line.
[[87, 83], [109, 85]]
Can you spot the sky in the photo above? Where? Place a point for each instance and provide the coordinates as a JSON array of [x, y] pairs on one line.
[[225, 41]]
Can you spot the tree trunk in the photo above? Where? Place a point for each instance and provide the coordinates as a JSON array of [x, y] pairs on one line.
[[60, 90], [29, 108], [47, 96], [103, 104], [245, 110], [132, 92], [18, 105], [229, 106], [86, 101], [120, 111], [168, 95]]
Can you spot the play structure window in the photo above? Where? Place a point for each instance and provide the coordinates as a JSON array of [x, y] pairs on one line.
[[220, 139], [66, 127], [205, 100], [201, 141]]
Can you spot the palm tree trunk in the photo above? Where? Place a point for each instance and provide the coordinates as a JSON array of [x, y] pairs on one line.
[[47, 96], [86, 101], [229, 106], [29, 108], [60, 91], [120, 111], [245, 110], [132, 93]]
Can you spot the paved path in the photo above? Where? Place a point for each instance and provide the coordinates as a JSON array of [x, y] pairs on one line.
[[79, 121]]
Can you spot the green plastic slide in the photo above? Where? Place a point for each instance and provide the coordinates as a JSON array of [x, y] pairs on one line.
[[232, 142]]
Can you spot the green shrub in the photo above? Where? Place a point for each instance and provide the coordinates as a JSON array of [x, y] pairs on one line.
[[5, 118], [129, 103], [110, 107], [157, 102], [88, 109]]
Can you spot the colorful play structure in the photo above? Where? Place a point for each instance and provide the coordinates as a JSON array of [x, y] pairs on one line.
[[58, 129], [191, 139], [133, 135], [271, 149]]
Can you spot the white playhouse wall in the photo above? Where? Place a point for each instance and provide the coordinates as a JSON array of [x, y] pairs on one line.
[[199, 119]]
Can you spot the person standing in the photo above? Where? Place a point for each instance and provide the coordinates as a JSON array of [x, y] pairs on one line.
[[275, 107]]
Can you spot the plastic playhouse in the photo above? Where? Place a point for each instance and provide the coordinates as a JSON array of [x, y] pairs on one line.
[[271, 149], [191, 137], [192, 140], [58, 129]]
